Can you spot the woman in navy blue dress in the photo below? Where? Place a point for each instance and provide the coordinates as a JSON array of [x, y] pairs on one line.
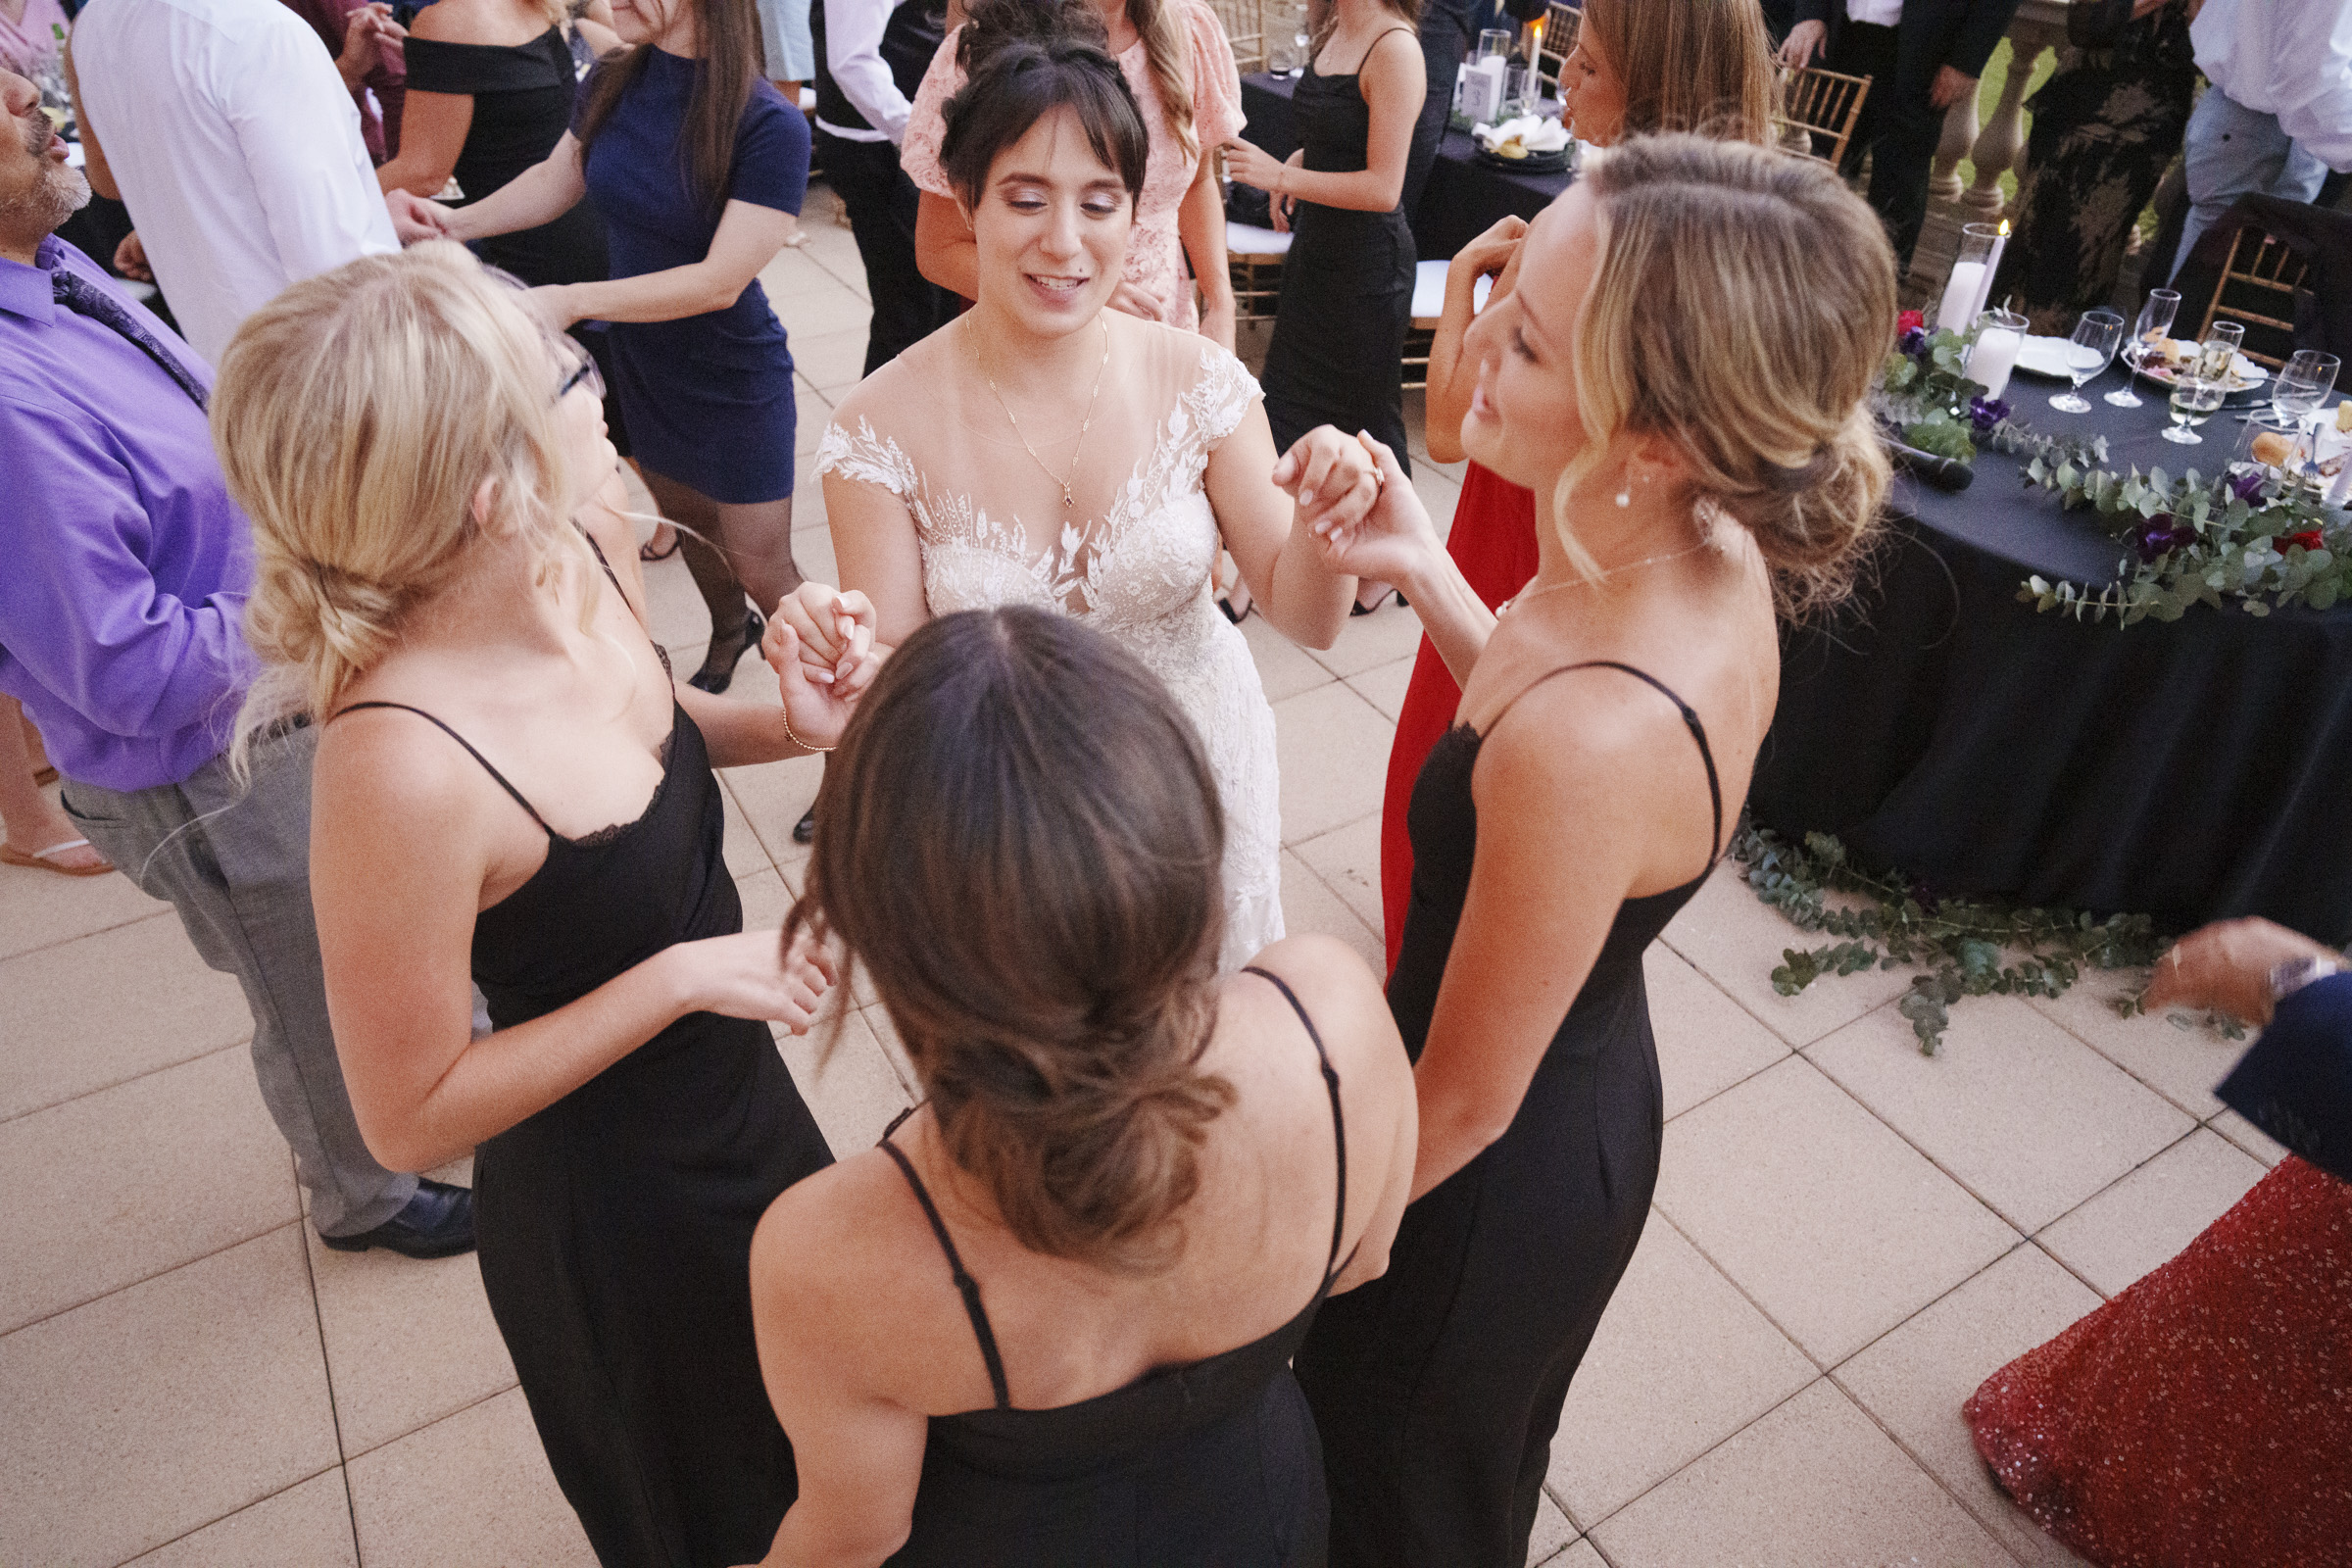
[[698, 165]]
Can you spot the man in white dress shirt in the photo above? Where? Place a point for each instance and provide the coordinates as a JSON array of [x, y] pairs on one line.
[[236, 147], [2277, 114], [870, 56]]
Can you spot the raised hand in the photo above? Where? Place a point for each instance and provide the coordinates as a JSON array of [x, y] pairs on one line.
[[1393, 538], [752, 974], [823, 677], [1334, 479]]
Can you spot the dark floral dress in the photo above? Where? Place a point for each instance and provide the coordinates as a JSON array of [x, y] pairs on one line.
[[2105, 127]]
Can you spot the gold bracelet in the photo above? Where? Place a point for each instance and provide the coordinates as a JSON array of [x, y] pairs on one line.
[[819, 751]]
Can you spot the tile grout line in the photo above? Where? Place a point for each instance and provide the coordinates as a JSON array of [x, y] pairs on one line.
[[80, 936], [207, 1524], [244, 1043], [326, 1368]]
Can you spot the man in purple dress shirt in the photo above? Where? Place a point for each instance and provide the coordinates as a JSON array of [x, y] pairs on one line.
[[120, 609]]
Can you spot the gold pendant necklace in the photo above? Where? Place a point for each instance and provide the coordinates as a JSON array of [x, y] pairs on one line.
[[1082, 425]]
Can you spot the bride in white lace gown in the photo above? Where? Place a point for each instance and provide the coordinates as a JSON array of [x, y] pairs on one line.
[[1043, 450]]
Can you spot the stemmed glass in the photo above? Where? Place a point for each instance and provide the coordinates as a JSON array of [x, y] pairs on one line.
[[2195, 396], [2303, 383], [2155, 321], [2088, 353]]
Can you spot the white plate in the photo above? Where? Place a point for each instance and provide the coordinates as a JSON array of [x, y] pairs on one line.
[[2046, 356], [2247, 374]]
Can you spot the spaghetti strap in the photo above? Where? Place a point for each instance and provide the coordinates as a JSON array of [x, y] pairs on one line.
[[660, 652], [1339, 1123], [494, 773], [965, 1285], [1699, 731]]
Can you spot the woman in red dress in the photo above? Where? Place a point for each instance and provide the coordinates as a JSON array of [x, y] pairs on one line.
[[1705, 67], [2205, 1414]]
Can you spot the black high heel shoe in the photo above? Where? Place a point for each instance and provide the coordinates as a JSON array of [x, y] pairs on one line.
[[718, 665], [1359, 608]]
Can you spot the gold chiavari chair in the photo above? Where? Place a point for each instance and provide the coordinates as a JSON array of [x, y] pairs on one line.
[[1817, 104], [2261, 276], [1558, 42], [1245, 24]]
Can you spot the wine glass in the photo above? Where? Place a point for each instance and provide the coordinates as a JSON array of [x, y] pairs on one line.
[[2155, 321], [2088, 353], [2195, 396], [2303, 383]]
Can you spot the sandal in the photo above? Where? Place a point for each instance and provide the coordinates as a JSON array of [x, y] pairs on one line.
[[47, 859], [652, 550], [1359, 608]]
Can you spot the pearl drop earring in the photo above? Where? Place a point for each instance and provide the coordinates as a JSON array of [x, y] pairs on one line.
[[1625, 496]]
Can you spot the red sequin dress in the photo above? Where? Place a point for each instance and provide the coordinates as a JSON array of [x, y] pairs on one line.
[[1493, 542], [2204, 1416]]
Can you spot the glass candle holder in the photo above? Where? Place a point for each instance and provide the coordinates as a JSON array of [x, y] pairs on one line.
[[2001, 334]]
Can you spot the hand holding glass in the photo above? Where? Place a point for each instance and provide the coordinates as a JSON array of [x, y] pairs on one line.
[[2091, 350]]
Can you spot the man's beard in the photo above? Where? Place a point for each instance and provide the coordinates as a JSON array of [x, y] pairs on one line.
[[61, 191]]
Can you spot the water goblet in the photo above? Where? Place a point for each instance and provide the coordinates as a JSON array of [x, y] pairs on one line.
[[2195, 397], [2087, 354], [2303, 383], [2155, 321]]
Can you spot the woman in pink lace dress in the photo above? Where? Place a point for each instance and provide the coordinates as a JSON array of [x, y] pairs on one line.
[[1175, 57]]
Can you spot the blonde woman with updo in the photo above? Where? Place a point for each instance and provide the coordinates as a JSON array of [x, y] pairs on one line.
[[1048, 1321], [512, 792], [1679, 378], [1702, 65]]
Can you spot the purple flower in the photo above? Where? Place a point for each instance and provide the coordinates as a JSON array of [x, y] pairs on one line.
[[2247, 486], [1913, 342], [1986, 413], [2159, 536]]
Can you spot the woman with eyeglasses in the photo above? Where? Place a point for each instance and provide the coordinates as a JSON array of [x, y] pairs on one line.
[[512, 791]]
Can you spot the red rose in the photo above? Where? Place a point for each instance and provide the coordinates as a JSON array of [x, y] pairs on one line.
[[2309, 538], [1909, 320]]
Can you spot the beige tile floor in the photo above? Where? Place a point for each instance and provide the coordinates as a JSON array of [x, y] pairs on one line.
[[1847, 1237]]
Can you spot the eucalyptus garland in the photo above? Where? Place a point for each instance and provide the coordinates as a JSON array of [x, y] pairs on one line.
[[1963, 947]]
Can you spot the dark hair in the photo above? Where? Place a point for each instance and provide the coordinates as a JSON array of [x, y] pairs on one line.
[[725, 76], [1022, 60], [1020, 838]]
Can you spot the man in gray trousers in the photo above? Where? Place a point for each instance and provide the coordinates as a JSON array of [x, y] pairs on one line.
[[124, 569]]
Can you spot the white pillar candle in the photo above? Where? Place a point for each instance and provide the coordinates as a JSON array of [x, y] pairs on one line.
[[1993, 357], [1960, 293], [1993, 266]]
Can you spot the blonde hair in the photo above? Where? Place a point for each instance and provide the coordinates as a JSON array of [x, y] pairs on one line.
[[1167, 53], [1702, 65], [356, 417], [1744, 302]]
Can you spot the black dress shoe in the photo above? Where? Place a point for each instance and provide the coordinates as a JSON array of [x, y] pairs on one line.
[[805, 830], [437, 1222]]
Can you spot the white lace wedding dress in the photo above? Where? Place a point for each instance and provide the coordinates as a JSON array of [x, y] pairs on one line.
[[1140, 573]]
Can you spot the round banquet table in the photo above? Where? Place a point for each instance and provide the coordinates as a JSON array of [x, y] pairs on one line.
[[2189, 770]]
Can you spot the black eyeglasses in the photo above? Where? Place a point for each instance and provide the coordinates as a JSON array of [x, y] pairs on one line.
[[585, 372]]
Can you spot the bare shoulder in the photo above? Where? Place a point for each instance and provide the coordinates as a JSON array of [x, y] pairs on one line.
[[1337, 991], [459, 20], [402, 780]]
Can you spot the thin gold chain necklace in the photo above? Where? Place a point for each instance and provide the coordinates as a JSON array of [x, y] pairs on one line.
[[1524, 595], [1092, 399]]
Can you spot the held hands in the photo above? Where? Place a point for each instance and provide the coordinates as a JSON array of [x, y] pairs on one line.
[[415, 218], [820, 643], [1389, 541], [754, 974], [1334, 479], [2227, 967]]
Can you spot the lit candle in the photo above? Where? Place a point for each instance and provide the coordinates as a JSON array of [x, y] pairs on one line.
[[1993, 266], [1995, 353], [1960, 293]]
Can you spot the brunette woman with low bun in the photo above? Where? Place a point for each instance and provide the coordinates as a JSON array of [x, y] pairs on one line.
[[1048, 1321], [1608, 723]]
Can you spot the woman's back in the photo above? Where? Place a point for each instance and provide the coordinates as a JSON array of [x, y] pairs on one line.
[[1081, 1416]]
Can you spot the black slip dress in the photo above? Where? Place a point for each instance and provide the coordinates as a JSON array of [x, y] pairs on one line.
[[1437, 1387], [1337, 356], [1213, 1464], [615, 1227]]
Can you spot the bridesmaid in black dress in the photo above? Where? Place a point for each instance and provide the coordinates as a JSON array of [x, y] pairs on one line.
[[1048, 1322], [512, 791], [1609, 721], [494, 81], [1337, 352]]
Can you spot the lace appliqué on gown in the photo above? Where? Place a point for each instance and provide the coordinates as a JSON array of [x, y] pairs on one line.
[[1140, 574]]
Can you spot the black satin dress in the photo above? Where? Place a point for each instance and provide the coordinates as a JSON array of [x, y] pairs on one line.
[[1437, 1387], [1337, 356], [615, 1227], [1213, 1464]]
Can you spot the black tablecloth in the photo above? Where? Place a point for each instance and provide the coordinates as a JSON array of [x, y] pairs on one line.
[[2189, 771], [1464, 196]]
